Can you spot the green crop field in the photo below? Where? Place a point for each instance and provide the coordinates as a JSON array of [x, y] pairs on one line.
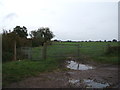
[[94, 50], [56, 54]]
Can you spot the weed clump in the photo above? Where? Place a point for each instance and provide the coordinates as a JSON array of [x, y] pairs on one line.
[[113, 50]]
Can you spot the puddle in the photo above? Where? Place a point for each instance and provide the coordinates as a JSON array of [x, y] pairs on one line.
[[93, 84], [76, 66], [88, 83], [73, 81]]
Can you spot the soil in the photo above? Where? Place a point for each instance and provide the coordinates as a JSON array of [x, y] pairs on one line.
[[103, 73]]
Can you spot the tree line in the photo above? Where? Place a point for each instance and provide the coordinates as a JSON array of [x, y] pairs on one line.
[[114, 40], [11, 40]]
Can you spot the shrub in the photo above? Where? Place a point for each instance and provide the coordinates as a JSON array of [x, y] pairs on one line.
[[7, 56], [113, 50]]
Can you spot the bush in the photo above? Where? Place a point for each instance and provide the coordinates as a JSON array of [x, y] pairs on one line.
[[7, 56], [113, 50]]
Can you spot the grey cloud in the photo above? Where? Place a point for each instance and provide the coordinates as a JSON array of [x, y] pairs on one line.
[[8, 19], [10, 16]]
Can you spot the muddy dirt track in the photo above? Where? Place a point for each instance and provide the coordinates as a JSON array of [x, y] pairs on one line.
[[102, 76]]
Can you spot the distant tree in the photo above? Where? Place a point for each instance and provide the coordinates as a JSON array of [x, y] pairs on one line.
[[104, 40], [89, 41], [56, 40], [100, 41], [68, 41], [114, 40], [21, 31], [42, 35]]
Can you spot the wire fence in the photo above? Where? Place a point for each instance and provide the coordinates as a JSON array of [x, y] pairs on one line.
[[58, 50]]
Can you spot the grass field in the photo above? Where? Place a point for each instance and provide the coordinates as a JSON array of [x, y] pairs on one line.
[[56, 54], [97, 51], [94, 50]]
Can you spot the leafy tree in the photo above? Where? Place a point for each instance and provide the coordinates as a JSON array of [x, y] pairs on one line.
[[42, 35], [21, 31], [9, 50], [12, 40], [33, 34]]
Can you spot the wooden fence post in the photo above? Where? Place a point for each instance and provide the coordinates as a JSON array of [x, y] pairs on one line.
[[44, 51], [29, 53], [78, 50], [15, 50]]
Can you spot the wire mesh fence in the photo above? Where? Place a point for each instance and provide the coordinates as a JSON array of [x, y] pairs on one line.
[[60, 50], [54, 50]]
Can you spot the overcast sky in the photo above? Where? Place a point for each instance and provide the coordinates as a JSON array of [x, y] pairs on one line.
[[67, 19]]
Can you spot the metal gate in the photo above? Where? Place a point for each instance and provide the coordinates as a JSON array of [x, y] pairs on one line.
[[54, 51]]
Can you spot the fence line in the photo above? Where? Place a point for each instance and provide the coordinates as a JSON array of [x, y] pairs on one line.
[[54, 50]]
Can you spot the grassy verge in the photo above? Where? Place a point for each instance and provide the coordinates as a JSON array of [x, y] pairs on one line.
[[18, 70]]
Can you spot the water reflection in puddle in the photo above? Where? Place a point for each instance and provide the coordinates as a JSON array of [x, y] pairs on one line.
[[76, 66], [88, 83], [73, 81], [93, 84]]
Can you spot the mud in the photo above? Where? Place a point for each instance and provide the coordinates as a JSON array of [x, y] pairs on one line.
[[102, 76]]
